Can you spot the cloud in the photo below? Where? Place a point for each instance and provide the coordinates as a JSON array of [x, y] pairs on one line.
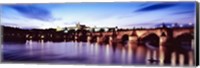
[[184, 12], [9, 24], [70, 23], [157, 7], [9, 17], [34, 12]]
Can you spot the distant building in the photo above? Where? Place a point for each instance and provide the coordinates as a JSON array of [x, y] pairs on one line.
[[59, 29], [79, 26]]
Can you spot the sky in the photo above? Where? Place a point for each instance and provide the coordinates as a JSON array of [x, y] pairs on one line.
[[121, 14]]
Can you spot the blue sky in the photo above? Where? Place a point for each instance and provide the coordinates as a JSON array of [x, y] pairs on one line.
[[124, 15]]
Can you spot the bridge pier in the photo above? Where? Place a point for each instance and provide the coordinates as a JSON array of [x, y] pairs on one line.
[[99, 39], [75, 38], [89, 38], [132, 42], [113, 41], [163, 38], [110, 40]]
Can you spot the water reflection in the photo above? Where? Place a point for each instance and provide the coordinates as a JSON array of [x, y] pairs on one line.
[[29, 46], [108, 55], [123, 56], [87, 53], [161, 55], [130, 53], [141, 53]]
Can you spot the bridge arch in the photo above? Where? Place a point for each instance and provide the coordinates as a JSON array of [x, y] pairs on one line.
[[179, 32], [149, 33], [152, 40], [183, 45], [185, 36], [125, 38], [184, 41], [106, 39]]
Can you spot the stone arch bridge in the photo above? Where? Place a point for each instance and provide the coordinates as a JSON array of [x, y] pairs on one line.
[[137, 34]]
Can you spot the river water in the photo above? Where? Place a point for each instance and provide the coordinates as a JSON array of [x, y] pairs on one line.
[[78, 53]]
